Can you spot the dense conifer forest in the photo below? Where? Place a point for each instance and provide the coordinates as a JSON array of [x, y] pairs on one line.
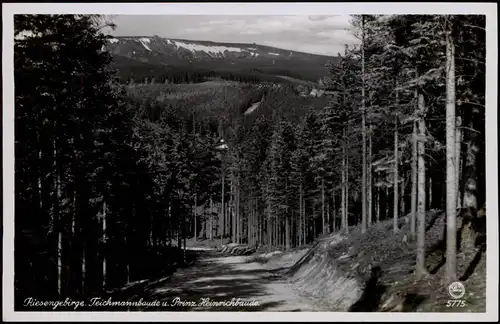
[[115, 170]]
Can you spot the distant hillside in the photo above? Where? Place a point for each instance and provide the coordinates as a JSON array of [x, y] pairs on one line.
[[155, 53]]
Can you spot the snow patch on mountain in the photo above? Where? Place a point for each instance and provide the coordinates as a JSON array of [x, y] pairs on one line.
[[207, 49], [145, 42], [275, 54], [113, 40]]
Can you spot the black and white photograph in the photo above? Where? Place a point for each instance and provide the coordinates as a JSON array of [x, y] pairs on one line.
[[215, 161]]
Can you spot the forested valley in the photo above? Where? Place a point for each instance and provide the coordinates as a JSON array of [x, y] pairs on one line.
[[112, 178]]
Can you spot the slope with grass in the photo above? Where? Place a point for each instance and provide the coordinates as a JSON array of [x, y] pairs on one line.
[[374, 271]]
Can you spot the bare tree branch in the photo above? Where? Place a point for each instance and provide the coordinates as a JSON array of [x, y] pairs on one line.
[[472, 26]]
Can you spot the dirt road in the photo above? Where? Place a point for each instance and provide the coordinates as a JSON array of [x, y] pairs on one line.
[[229, 283]]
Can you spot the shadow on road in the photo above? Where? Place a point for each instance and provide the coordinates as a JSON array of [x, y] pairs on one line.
[[370, 299], [205, 283]]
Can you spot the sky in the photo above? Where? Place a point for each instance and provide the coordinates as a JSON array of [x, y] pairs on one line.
[[325, 35]]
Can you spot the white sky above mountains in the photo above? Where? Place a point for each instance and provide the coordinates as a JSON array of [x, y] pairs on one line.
[[311, 34]]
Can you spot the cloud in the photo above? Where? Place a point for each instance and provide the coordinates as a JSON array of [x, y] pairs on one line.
[[274, 24], [338, 36], [199, 30], [251, 32], [318, 18]]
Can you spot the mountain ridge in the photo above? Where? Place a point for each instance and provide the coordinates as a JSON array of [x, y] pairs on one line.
[[216, 43], [218, 56]]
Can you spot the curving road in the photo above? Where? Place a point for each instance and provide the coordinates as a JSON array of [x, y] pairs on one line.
[[217, 283]]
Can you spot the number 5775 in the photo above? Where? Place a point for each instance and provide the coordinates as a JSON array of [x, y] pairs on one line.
[[455, 303]]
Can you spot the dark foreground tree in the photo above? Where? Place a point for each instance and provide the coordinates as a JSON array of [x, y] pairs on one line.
[[85, 200]]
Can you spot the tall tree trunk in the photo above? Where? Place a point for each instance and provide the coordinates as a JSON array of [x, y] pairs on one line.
[[327, 217], [314, 224], [402, 197], [323, 205], [170, 223], [387, 205], [248, 205], [413, 182], [430, 191], [287, 231], [262, 224], [195, 217], [83, 267], [343, 206], [451, 164], [369, 180], [232, 207], [282, 230], [347, 195], [179, 227], [300, 212], [268, 216], [210, 224], [269, 231], [104, 239], [185, 240], [239, 228], [304, 227], [237, 212], [256, 216], [73, 218], [260, 220], [396, 165], [127, 262], [56, 217], [470, 200], [458, 158], [40, 176], [363, 126], [255, 223], [59, 239], [377, 210], [334, 211], [251, 222], [342, 194], [277, 237], [222, 205], [151, 233], [421, 269], [273, 231]]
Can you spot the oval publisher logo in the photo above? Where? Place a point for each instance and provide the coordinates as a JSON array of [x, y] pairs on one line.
[[456, 290]]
